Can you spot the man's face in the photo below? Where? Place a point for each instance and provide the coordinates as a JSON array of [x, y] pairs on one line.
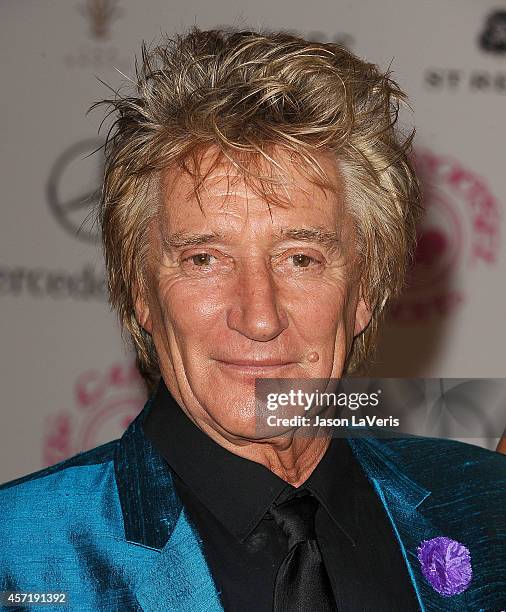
[[237, 291]]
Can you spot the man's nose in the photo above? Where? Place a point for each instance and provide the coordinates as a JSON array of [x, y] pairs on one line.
[[256, 310]]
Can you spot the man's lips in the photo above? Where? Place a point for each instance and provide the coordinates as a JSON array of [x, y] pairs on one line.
[[254, 365]]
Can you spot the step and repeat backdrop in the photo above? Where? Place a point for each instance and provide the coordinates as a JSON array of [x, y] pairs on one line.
[[68, 381]]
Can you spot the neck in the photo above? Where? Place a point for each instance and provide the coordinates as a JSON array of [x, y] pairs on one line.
[[293, 461], [292, 457]]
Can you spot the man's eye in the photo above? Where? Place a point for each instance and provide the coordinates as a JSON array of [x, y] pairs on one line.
[[303, 261], [201, 259]]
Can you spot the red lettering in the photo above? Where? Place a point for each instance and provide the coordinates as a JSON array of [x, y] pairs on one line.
[[89, 388]]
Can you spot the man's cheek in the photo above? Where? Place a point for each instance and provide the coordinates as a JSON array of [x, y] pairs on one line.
[[188, 312], [322, 314]]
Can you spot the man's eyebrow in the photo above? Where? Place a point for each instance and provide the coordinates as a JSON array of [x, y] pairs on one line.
[[325, 237], [180, 240]]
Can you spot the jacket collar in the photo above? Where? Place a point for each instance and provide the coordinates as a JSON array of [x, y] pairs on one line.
[[148, 498], [386, 467], [151, 507], [179, 579], [403, 498]]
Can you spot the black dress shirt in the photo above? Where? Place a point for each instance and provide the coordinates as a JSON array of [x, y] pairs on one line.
[[228, 498]]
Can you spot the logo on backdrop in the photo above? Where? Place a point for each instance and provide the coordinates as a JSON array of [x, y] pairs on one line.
[[73, 188], [459, 231], [100, 54], [105, 402], [493, 37], [100, 15], [73, 191]]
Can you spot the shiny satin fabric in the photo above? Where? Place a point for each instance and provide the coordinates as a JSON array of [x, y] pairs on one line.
[[302, 582], [107, 527]]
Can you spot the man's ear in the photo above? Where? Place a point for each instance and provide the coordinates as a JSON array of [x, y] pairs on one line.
[[142, 312], [363, 315]]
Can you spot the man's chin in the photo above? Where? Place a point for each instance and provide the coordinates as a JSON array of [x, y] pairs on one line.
[[241, 434], [249, 422]]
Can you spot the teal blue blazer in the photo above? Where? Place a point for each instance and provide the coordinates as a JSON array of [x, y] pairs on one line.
[[107, 527]]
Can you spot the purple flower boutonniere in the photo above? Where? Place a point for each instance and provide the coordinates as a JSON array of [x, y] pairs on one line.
[[446, 564]]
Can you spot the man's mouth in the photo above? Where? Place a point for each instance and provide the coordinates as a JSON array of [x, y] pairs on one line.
[[255, 366]]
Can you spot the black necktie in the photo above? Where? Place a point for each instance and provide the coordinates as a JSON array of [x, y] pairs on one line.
[[302, 583]]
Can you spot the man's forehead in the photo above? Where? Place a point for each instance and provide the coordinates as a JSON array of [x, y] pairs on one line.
[[229, 210], [279, 177], [225, 181]]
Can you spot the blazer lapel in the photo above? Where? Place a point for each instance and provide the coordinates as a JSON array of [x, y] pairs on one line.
[[178, 578], [403, 499]]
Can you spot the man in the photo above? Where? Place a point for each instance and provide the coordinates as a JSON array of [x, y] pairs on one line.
[[258, 211]]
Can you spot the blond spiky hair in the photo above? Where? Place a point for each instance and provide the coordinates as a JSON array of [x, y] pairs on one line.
[[245, 93]]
